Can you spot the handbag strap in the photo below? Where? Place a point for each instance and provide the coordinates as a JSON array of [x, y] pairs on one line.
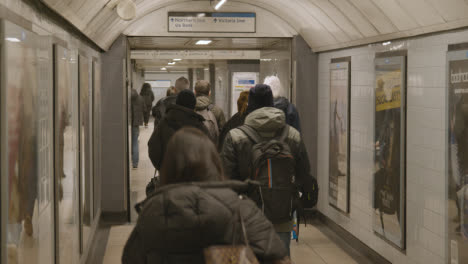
[[244, 232]]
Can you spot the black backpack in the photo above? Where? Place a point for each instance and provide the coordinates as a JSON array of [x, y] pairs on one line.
[[273, 166]]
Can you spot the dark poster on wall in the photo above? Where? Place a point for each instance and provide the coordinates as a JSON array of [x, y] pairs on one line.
[[389, 154], [338, 194], [457, 152]]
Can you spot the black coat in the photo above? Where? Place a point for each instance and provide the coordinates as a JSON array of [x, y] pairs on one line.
[[160, 109], [176, 117], [290, 111], [236, 121], [179, 221]]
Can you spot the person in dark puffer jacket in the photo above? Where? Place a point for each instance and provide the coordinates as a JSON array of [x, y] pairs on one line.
[[195, 209], [178, 115]]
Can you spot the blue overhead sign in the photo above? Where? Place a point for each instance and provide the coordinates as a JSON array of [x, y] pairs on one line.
[[212, 22]]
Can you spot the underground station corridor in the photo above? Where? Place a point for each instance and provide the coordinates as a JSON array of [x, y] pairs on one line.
[[233, 131]]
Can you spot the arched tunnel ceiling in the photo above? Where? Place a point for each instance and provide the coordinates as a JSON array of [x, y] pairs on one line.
[[324, 24]]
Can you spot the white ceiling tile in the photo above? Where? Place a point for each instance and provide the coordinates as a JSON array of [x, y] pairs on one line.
[[341, 21], [375, 16], [422, 12], [326, 22], [399, 17], [450, 9], [356, 17]]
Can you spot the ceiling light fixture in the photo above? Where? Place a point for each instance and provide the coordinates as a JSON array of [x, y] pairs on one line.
[[218, 6], [177, 59], [163, 69], [387, 43], [126, 9], [171, 63], [203, 42], [13, 39]]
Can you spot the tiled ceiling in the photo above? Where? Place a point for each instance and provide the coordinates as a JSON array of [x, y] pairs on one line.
[[324, 24]]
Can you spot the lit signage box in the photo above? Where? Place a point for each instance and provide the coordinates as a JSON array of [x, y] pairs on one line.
[[212, 22]]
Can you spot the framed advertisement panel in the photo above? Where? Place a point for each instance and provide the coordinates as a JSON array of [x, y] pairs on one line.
[[457, 161], [241, 81], [390, 148], [340, 76], [66, 141]]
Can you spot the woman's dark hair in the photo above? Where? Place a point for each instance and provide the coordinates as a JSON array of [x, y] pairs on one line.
[[145, 89], [191, 157]]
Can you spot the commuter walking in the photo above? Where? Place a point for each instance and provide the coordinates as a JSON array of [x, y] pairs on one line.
[[236, 120], [268, 150], [178, 115], [281, 102], [160, 109], [148, 97], [171, 91], [137, 109], [194, 209], [214, 116]]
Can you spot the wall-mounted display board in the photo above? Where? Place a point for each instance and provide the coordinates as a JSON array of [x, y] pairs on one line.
[[340, 76], [27, 233], [457, 154], [241, 81], [86, 153], [390, 147], [66, 155]]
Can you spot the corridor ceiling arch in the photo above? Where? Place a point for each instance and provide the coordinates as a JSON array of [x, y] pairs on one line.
[[324, 24]]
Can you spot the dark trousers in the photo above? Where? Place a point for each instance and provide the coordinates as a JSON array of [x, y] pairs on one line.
[[146, 115]]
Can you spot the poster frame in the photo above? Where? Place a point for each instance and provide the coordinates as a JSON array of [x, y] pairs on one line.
[[455, 52], [394, 58], [3, 150], [348, 137]]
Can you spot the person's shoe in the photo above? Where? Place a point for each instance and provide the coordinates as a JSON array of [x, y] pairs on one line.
[[28, 227]]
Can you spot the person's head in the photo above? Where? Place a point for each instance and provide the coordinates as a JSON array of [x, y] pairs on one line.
[[275, 85], [260, 96], [202, 88], [187, 99], [145, 88], [181, 84], [170, 91], [191, 157], [242, 102]]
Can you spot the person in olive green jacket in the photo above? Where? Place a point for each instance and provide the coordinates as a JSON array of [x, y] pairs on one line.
[[268, 122]]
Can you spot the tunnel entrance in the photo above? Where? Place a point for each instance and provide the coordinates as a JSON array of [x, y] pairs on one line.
[[231, 65]]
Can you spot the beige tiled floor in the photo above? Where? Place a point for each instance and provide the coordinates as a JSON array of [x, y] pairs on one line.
[[313, 247], [140, 177]]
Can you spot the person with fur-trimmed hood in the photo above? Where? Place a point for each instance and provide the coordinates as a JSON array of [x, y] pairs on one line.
[[281, 102]]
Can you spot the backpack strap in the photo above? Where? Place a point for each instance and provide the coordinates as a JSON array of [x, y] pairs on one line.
[[251, 133], [284, 133]]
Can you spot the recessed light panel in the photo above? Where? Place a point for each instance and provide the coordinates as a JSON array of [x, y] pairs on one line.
[[203, 42]]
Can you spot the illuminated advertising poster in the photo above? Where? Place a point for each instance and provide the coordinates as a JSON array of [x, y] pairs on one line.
[[457, 166], [241, 81], [389, 155], [338, 194]]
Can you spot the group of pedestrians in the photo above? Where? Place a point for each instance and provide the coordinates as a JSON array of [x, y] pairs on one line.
[[208, 167]]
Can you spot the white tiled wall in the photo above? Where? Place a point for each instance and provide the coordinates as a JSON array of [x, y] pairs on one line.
[[426, 115]]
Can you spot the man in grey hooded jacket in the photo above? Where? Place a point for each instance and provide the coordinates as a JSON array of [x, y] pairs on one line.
[[269, 122]]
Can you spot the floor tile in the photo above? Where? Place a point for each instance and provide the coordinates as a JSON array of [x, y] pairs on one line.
[[334, 255]]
